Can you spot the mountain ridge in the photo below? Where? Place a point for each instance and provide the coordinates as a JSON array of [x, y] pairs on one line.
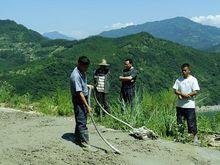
[[179, 29], [57, 35]]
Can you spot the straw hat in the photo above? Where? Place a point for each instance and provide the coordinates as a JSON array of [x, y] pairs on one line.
[[103, 63]]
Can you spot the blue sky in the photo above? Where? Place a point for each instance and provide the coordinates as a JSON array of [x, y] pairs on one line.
[[89, 17]]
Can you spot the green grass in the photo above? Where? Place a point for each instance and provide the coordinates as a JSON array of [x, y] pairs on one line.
[[58, 104], [156, 112]]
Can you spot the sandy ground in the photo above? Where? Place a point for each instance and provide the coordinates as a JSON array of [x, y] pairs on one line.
[[27, 138]]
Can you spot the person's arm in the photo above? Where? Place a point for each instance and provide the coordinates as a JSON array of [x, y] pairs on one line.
[[84, 101], [194, 93], [195, 88], [182, 95], [80, 94], [185, 96], [177, 92], [128, 78], [90, 86]]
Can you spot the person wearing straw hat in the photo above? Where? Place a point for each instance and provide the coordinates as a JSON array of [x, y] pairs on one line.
[[102, 85]]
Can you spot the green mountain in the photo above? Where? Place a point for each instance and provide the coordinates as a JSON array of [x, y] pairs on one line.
[[10, 31], [17, 44], [157, 60], [179, 29]]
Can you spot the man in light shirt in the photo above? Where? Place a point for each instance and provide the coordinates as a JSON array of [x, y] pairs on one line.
[[186, 88], [79, 91]]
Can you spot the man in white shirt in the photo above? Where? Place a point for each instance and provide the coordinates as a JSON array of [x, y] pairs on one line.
[[186, 88]]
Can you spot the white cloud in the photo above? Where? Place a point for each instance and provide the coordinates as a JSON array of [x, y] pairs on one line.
[[213, 20], [119, 25]]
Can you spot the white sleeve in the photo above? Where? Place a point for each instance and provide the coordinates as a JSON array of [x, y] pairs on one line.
[[195, 85], [176, 85]]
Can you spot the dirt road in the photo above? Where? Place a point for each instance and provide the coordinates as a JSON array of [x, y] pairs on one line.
[[27, 138]]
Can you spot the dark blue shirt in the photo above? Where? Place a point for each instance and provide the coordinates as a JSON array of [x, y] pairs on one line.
[[129, 72]]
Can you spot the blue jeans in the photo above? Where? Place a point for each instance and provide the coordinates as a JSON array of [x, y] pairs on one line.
[[81, 130]]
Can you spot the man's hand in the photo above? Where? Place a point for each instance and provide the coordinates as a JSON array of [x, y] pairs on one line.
[[182, 95], [90, 86], [128, 78], [89, 109], [185, 96], [85, 103]]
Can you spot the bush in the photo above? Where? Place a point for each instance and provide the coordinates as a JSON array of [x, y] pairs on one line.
[[60, 104], [6, 92]]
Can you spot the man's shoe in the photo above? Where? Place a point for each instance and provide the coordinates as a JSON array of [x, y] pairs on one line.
[[196, 141]]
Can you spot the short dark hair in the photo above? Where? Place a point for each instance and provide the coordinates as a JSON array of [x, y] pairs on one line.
[[83, 60], [129, 60], [185, 65]]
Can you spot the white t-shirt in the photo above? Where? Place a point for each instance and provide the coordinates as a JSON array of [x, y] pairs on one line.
[[186, 86]]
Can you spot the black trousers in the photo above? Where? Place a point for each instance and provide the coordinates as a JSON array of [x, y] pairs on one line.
[[81, 130], [128, 95], [103, 100], [189, 115]]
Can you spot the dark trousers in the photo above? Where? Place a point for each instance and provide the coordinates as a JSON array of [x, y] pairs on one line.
[[103, 100], [81, 130], [189, 115], [128, 95]]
